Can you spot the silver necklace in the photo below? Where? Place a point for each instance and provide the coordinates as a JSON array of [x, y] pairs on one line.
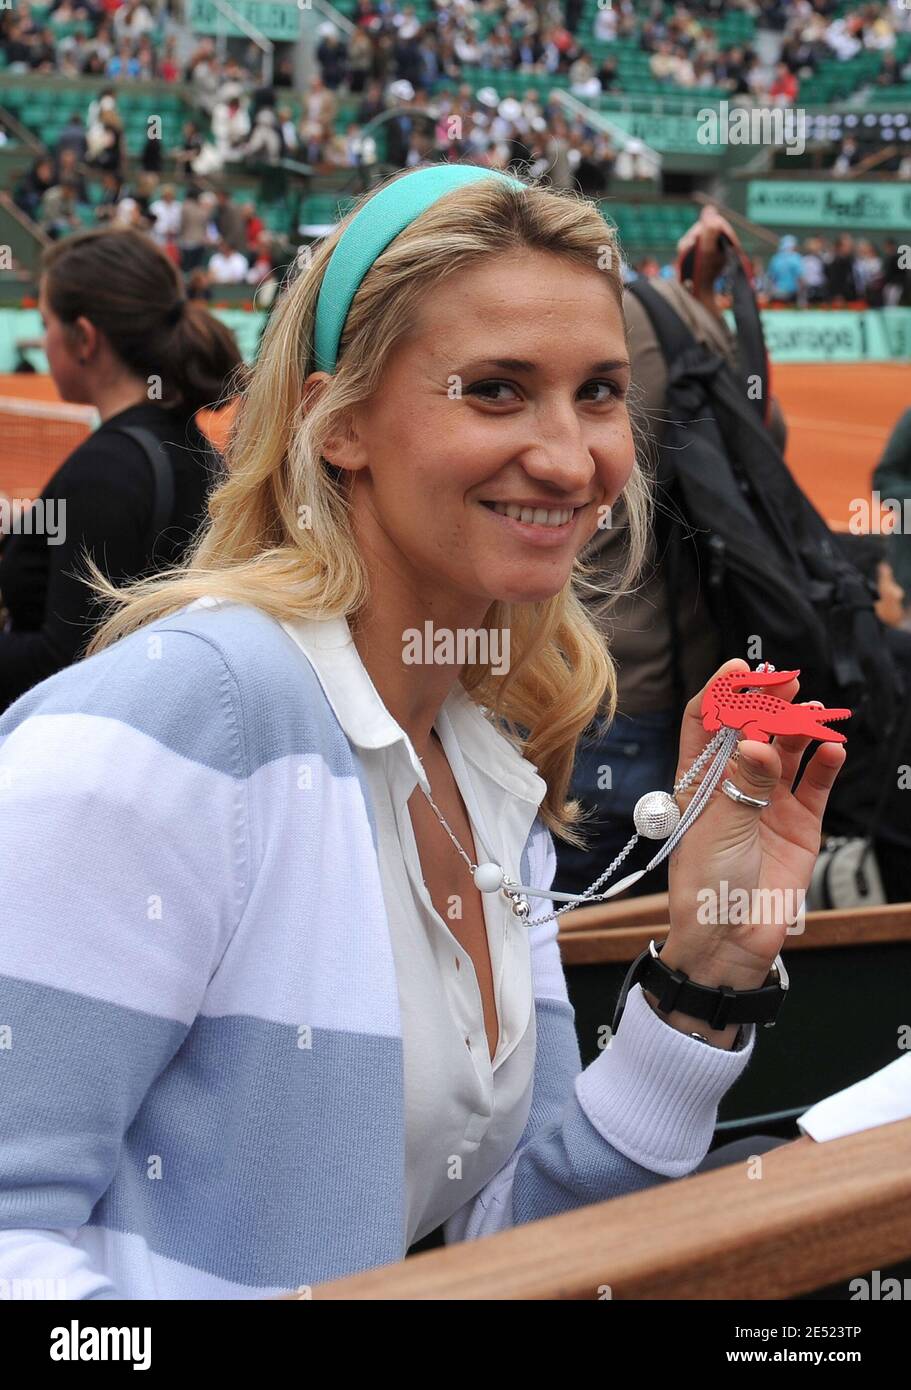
[[656, 815]]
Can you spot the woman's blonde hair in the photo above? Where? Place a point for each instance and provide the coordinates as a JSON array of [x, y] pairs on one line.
[[278, 535]]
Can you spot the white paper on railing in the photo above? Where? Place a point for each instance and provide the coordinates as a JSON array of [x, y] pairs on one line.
[[880, 1099]]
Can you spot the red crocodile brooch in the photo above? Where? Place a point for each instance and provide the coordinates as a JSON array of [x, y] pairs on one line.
[[726, 703]]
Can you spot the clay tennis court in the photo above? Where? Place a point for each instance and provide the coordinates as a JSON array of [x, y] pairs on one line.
[[839, 418]]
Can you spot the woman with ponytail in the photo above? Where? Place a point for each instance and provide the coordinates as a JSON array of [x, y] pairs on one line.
[[121, 336]]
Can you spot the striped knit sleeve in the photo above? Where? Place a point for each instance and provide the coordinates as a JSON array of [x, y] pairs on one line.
[[123, 871], [642, 1112]]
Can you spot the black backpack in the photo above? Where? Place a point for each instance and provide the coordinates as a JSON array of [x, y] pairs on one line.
[[768, 563]]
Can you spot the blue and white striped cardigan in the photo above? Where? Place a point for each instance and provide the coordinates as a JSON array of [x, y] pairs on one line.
[[200, 1046]]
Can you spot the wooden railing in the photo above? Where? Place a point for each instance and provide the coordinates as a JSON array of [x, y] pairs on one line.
[[799, 1218], [617, 932]]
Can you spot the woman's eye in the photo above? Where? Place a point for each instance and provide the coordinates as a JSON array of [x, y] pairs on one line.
[[485, 389], [614, 391]]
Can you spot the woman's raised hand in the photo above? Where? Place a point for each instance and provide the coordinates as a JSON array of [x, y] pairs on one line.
[[767, 854]]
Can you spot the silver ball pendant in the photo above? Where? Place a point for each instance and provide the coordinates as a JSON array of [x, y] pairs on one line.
[[656, 815]]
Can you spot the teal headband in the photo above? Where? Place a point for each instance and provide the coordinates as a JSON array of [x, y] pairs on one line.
[[377, 223]]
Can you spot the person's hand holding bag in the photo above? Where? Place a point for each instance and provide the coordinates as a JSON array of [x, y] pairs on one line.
[[743, 847]]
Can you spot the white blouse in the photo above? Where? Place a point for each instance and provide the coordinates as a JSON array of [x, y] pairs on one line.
[[464, 1114]]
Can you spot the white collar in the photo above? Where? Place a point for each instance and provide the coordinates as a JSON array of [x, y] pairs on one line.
[[368, 724]]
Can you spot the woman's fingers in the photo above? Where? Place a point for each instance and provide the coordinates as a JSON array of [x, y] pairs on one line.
[[819, 776], [758, 773], [791, 748]]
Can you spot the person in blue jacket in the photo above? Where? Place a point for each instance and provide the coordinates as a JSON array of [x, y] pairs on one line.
[[784, 271]]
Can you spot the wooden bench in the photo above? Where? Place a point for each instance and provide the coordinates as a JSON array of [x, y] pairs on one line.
[[817, 1214]]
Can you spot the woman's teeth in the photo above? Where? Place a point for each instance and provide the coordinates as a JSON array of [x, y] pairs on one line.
[[539, 516]]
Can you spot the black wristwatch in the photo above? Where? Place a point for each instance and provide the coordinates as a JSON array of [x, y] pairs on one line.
[[718, 1007]]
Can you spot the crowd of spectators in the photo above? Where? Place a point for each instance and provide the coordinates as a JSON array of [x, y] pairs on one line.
[[392, 58], [211, 237], [843, 271], [820, 273], [411, 74]]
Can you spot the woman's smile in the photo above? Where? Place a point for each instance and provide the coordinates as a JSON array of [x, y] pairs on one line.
[[536, 523]]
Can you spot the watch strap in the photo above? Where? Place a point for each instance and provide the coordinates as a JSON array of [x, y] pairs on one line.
[[717, 1007]]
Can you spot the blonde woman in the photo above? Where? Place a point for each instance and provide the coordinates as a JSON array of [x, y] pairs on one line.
[[266, 1029]]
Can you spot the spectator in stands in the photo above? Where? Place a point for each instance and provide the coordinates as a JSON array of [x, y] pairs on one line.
[[890, 606], [784, 271], [34, 184], [58, 213], [360, 51], [868, 274], [169, 66], [607, 75], [559, 171], [104, 100], [230, 219], [106, 152], [199, 284], [814, 283], [105, 137], [106, 207], [287, 130], [845, 36], [124, 62], [146, 58], [17, 49], [584, 81], [68, 172], [72, 137], [606, 20], [265, 144], [115, 319], [190, 148], [166, 212], [44, 51], [193, 236], [320, 105], [848, 156], [230, 123], [896, 274], [254, 231], [152, 157], [262, 271], [373, 102], [784, 89], [203, 74], [228, 266], [132, 20], [842, 280], [799, 55], [332, 57]]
